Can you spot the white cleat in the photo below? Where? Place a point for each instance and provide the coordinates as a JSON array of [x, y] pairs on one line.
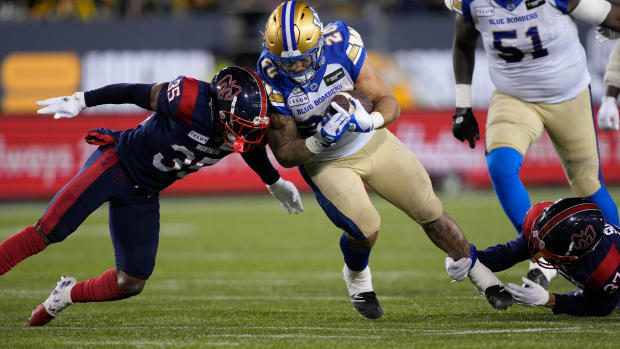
[[54, 304], [540, 275]]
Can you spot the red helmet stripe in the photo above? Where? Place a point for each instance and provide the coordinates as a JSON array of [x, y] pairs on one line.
[[563, 215], [263, 93], [605, 269]]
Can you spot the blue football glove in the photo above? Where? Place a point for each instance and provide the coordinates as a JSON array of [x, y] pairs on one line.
[[360, 119], [331, 130]]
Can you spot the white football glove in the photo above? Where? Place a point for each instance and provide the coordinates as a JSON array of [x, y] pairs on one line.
[[360, 119], [531, 295], [287, 194], [63, 107], [608, 114], [457, 270], [330, 131]]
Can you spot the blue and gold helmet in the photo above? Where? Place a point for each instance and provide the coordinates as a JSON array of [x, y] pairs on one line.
[[294, 41]]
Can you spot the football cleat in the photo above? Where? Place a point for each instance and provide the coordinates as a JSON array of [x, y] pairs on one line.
[[54, 304], [361, 294], [367, 304], [538, 277], [498, 297]]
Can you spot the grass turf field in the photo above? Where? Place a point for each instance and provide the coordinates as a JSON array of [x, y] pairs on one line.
[[238, 272]]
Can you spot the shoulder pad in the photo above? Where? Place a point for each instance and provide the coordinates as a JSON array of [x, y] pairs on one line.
[[267, 68], [276, 98], [454, 5]]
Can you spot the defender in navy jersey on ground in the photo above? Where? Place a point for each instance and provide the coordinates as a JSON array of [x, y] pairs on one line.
[[573, 237], [195, 124], [539, 68]]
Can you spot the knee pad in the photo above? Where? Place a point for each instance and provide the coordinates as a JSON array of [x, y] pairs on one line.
[[585, 185]]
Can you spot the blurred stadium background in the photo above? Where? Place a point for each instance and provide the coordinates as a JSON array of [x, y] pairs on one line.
[[235, 271], [55, 47]]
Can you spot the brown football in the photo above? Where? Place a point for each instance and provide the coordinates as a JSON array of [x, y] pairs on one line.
[[343, 99]]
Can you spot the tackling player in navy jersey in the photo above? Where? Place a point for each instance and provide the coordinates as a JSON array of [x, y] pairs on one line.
[[195, 124], [573, 237]]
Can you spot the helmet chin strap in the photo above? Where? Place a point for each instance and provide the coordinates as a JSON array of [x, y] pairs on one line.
[[239, 144]]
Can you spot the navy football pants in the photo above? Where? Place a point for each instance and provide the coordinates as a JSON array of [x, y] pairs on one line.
[[133, 214]]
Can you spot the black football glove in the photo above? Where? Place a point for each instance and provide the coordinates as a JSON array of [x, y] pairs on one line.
[[498, 297], [465, 126]]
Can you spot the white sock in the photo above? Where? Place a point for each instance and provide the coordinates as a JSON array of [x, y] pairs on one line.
[[357, 281], [482, 277]]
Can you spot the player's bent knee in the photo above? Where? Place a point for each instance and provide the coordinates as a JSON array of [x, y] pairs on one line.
[[365, 243], [129, 285], [585, 187]]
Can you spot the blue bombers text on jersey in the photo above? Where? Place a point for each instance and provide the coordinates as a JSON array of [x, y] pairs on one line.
[[532, 45]]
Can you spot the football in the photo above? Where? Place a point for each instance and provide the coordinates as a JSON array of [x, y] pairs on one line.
[[343, 99]]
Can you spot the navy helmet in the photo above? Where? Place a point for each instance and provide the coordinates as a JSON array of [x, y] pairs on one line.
[[565, 231], [240, 101]]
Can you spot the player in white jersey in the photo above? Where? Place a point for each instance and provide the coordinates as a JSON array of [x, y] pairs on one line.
[[304, 65], [539, 69]]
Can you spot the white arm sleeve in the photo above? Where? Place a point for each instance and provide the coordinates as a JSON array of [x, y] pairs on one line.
[[592, 11]]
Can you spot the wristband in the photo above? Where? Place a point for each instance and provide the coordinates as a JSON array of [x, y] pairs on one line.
[[463, 95], [314, 145], [376, 119], [592, 11]]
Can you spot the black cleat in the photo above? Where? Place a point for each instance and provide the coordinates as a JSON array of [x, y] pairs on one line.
[[367, 304], [498, 297], [538, 277]]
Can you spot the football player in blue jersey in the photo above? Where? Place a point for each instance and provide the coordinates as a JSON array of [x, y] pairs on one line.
[[572, 236], [304, 65], [539, 68], [195, 124]]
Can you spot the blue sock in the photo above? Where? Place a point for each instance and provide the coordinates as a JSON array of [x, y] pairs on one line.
[[356, 258], [504, 165], [607, 205]]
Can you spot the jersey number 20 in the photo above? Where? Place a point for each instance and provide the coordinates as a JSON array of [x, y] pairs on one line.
[[513, 54]]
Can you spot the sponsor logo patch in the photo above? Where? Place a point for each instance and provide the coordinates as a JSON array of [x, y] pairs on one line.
[[334, 76], [202, 139], [486, 11], [530, 4], [297, 97]]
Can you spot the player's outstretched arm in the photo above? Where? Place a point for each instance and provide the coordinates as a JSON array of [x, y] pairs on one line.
[[142, 95], [284, 191]]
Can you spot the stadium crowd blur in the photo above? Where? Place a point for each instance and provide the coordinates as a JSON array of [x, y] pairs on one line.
[[87, 10]]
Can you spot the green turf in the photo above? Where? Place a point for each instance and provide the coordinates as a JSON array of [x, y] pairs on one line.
[[239, 272]]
